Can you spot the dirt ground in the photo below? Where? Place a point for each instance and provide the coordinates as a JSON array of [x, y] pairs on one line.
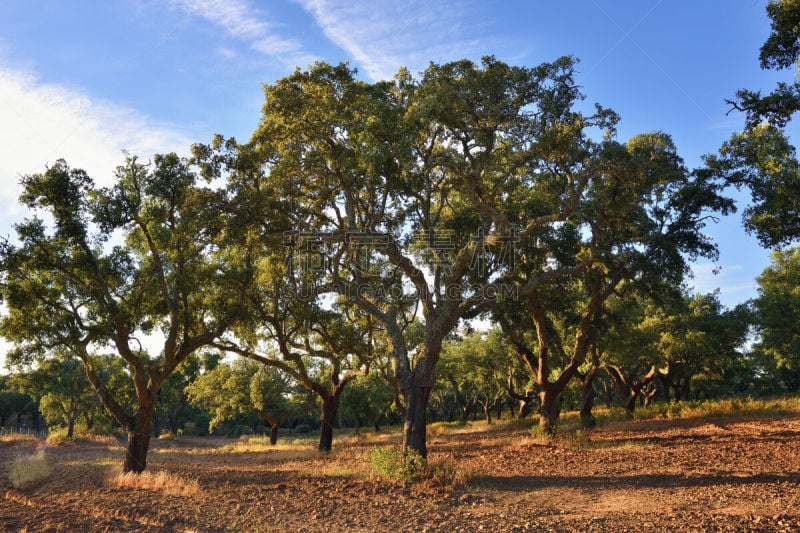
[[683, 475]]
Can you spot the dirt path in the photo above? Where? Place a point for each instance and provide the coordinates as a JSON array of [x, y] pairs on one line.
[[688, 475]]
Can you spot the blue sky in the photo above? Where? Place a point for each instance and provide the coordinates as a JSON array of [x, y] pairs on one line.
[[84, 80]]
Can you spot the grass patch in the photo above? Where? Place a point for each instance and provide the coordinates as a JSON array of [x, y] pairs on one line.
[[443, 428], [160, 481], [723, 408], [16, 438], [59, 436], [26, 469]]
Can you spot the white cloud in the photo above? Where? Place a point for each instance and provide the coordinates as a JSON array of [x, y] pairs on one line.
[[730, 280], [44, 122], [236, 17], [241, 21], [384, 35]]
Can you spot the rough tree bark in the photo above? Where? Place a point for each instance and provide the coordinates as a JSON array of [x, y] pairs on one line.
[[138, 439], [330, 405]]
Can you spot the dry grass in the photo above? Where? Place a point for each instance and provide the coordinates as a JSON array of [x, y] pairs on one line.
[[26, 469], [15, 438], [59, 437], [160, 481]]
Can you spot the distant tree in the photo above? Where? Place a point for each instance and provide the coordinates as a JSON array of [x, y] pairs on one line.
[[627, 348], [15, 404], [777, 316], [478, 365], [366, 401], [66, 288], [699, 342], [172, 401], [243, 388], [62, 390]]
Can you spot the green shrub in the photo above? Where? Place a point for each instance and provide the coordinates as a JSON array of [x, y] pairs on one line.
[[302, 428], [408, 466], [398, 463]]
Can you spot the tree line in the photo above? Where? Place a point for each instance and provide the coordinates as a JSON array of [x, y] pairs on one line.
[[365, 228]]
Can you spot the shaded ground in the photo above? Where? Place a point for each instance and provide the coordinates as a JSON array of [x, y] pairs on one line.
[[687, 475]]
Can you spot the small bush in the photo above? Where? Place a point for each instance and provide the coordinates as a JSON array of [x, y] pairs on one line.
[[302, 429], [408, 466], [26, 469], [59, 436], [396, 462]]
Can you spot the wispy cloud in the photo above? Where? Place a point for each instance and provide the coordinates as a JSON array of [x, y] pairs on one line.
[[242, 21], [731, 280], [44, 122], [384, 35]]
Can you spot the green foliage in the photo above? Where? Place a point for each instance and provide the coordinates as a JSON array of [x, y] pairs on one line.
[[63, 391], [365, 400], [477, 368], [780, 51], [763, 160], [778, 314], [398, 463], [243, 391]]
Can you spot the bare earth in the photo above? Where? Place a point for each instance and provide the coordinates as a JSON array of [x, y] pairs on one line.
[[685, 475]]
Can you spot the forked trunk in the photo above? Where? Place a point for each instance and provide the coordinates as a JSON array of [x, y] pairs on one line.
[[414, 429], [138, 441]]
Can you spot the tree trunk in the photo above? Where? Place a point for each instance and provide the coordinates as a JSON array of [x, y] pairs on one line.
[[70, 426], [487, 412], [414, 429], [587, 398], [273, 434], [330, 405], [138, 440], [548, 410], [626, 390], [156, 425]]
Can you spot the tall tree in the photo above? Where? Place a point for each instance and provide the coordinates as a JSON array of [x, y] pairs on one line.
[[416, 175], [67, 288], [637, 216]]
